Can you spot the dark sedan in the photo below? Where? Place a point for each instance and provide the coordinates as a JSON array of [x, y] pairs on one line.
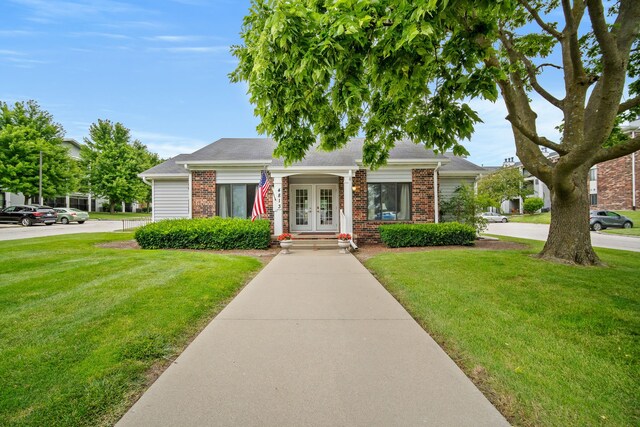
[[28, 215], [599, 220]]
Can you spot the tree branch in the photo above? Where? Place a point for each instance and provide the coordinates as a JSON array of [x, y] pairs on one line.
[[531, 136], [572, 19], [531, 71], [601, 30], [546, 27], [604, 154], [629, 104], [548, 64]]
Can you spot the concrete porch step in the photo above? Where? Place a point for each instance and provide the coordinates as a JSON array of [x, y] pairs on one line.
[[315, 244]]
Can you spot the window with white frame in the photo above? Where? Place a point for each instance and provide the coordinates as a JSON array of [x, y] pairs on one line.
[[593, 199], [389, 201], [593, 174], [236, 200]]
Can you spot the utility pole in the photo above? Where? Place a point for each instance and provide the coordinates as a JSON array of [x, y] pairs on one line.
[[40, 186]]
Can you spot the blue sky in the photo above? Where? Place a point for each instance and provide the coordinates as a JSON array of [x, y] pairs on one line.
[[160, 68]]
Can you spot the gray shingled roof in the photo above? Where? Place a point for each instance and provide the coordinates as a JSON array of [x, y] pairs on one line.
[[460, 164], [253, 149], [169, 167]]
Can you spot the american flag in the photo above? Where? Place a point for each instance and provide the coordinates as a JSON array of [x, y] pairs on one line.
[[258, 203]]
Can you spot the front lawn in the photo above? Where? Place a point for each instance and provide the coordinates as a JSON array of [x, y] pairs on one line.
[[549, 344], [84, 328], [541, 218]]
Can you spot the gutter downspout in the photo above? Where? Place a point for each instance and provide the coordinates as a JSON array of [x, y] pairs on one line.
[[436, 210]]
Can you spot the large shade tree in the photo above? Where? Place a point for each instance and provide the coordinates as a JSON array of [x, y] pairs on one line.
[[389, 69], [26, 131]]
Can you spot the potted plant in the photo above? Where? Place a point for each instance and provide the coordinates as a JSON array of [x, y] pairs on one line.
[[286, 241], [344, 241]]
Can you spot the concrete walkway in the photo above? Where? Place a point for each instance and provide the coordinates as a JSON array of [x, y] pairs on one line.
[[313, 340]]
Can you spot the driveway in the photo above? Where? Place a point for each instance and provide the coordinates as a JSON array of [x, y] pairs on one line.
[[16, 232], [541, 231]]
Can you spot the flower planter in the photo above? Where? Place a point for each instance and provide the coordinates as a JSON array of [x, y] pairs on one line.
[[285, 245], [343, 245]]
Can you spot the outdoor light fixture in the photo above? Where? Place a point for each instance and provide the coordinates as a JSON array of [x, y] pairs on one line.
[[354, 188]]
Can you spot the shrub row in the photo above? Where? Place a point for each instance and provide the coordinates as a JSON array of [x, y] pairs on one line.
[[205, 233], [450, 233]]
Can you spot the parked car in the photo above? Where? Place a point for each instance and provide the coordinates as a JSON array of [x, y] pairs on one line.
[[599, 220], [27, 215], [67, 215], [494, 217]]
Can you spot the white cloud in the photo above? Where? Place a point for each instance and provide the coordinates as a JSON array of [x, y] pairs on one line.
[[99, 34], [193, 49], [168, 145], [17, 33], [174, 39]]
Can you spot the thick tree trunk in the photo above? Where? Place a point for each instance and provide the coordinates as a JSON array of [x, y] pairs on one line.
[[112, 207], [569, 238]]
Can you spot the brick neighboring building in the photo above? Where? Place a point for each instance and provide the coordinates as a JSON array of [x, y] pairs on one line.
[[324, 193]]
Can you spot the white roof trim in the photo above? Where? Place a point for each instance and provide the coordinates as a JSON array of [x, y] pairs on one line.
[[461, 173], [164, 175], [227, 163], [409, 163]]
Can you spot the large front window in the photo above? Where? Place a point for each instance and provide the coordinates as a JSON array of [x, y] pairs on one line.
[[389, 201], [236, 200]]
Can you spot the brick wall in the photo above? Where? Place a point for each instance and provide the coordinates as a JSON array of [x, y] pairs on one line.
[[268, 205], [614, 183], [203, 193], [422, 200], [422, 205]]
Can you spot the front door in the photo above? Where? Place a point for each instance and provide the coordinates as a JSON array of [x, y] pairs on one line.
[[313, 207], [326, 208]]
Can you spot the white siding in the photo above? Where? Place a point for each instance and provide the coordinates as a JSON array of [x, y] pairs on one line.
[[448, 185], [171, 199], [241, 176], [389, 175]]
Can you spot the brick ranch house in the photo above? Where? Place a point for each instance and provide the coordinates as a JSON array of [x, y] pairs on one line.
[[327, 192]]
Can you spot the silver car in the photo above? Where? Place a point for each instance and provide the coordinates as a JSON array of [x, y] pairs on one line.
[[494, 217], [599, 220]]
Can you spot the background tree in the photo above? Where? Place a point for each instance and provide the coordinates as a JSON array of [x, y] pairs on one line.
[[112, 163], [146, 160], [334, 69], [25, 131], [503, 184]]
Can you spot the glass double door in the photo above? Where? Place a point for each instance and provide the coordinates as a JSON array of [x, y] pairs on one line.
[[314, 207]]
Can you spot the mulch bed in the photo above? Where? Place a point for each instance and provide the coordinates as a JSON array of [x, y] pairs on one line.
[[367, 251]]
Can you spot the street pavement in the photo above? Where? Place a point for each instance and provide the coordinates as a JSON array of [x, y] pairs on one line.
[[541, 231], [16, 232], [313, 340]]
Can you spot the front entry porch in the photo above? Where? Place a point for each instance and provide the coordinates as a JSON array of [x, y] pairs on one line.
[[308, 203], [314, 208]]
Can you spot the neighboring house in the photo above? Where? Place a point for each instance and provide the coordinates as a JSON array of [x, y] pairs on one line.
[[614, 184], [327, 192], [85, 202]]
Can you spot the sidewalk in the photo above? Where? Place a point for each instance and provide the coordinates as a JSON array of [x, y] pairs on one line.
[[313, 340]]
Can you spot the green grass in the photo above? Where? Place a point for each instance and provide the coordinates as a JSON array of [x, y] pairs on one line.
[[117, 216], [542, 218], [549, 344], [82, 327]]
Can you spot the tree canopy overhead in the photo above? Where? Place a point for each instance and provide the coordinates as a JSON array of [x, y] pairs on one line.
[[394, 69]]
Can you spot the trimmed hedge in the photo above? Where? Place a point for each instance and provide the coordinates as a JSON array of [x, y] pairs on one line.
[[445, 234], [205, 233]]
